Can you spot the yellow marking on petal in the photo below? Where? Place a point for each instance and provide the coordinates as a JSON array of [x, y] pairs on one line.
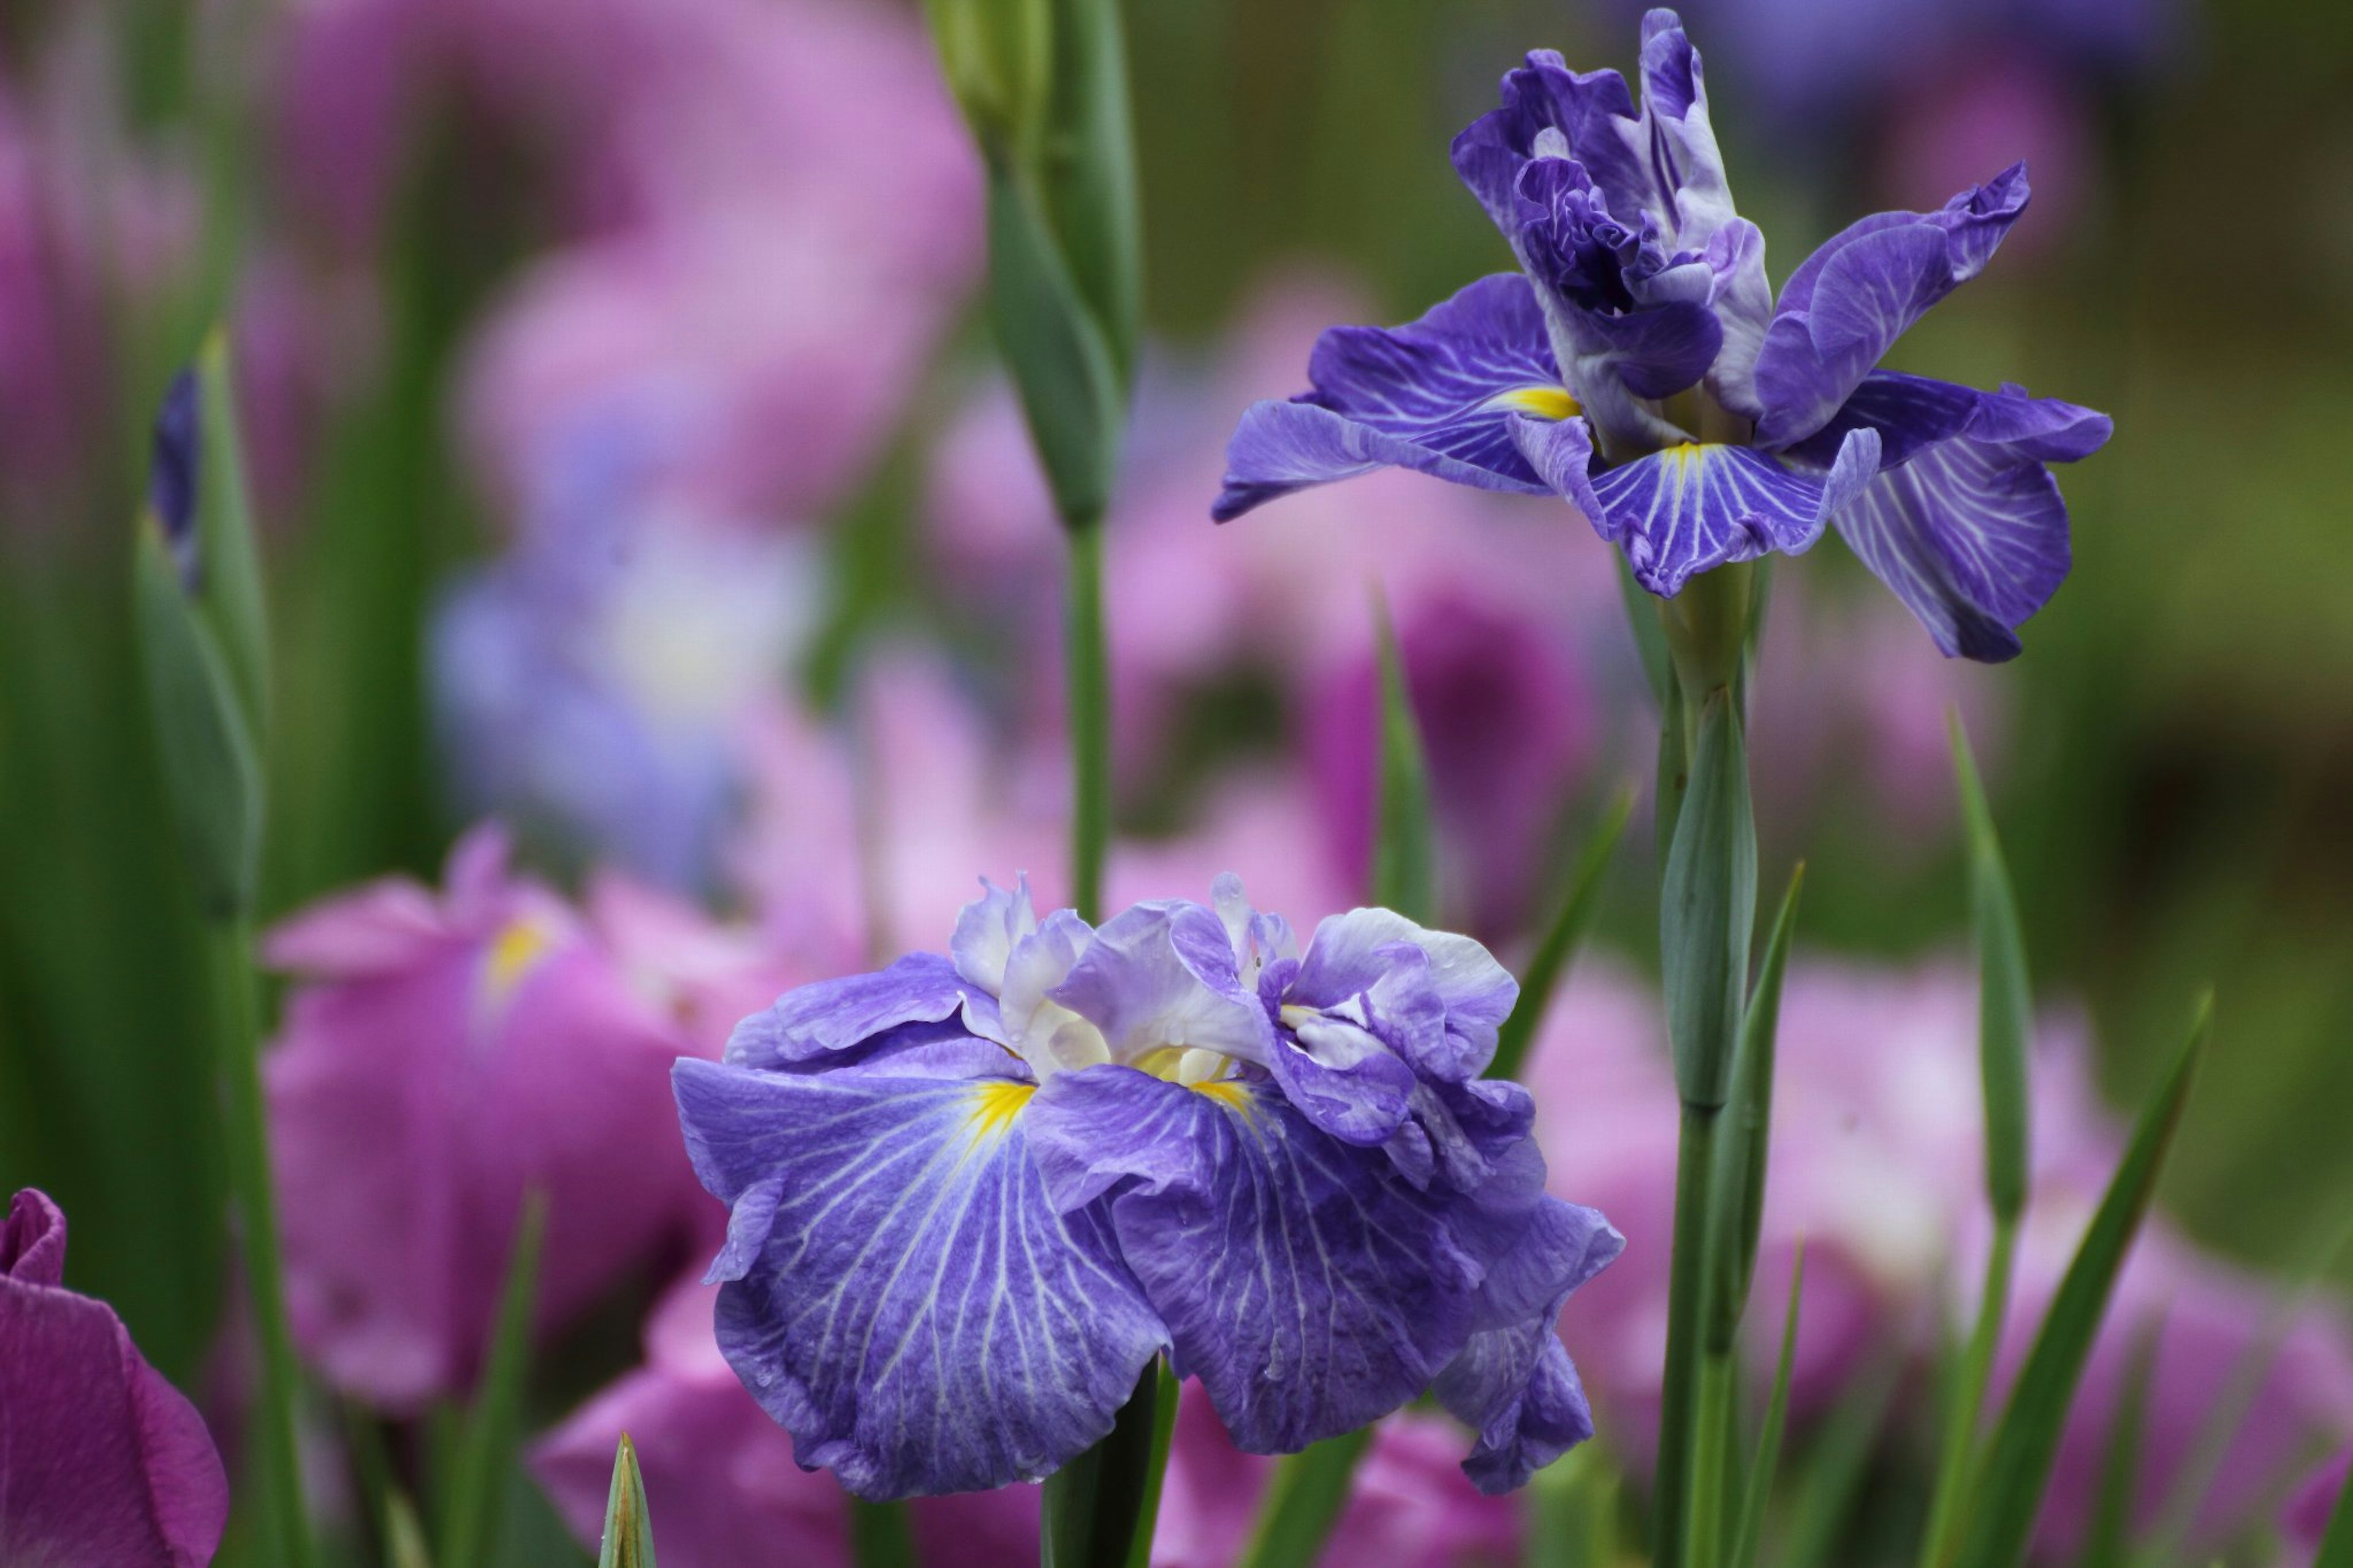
[[1160, 1061], [1226, 1092], [1543, 402], [520, 944], [996, 1104]]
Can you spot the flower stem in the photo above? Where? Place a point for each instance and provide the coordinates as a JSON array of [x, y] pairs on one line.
[[235, 993], [1095, 1506], [1089, 678], [1671, 1494]]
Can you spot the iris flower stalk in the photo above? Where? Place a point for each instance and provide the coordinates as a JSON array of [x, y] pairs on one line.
[[1638, 364], [1043, 84], [203, 645]]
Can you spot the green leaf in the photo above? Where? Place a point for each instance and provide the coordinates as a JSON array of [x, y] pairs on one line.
[[1087, 169], [1072, 389], [1708, 907], [629, 1529], [1835, 1466], [1573, 1512], [1737, 1204], [403, 1538], [2005, 1003], [2337, 1540], [1405, 873], [1673, 774], [2001, 1509], [1549, 964], [487, 1447], [212, 772], [1164, 1434], [1092, 1508], [1305, 1501], [2106, 1544], [230, 594], [1748, 1532], [1650, 637]]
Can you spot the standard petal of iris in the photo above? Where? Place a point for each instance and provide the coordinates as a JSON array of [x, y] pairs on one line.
[[1966, 524], [1847, 303], [1433, 396], [916, 1313], [1306, 1283], [1162, 978], [1693, 508]]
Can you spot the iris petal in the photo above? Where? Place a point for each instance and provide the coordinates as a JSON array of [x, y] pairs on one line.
[[902, 1295], [1693, 508]]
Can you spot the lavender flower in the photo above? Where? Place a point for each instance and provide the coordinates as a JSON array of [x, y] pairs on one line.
[[1638, 366], [974, 1195], [102, 1460]]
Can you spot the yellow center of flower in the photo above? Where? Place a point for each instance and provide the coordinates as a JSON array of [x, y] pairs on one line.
[[995, 1104], [512, 952], [1543, 401]]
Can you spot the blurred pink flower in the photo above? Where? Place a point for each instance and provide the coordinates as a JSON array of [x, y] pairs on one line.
[[1876, 1162], [102, 1460], [440, 1055], [1982, 113], [2309, 1510], [721, 1487], [1410, 1507]]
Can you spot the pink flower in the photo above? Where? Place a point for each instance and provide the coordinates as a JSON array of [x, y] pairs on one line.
[[441, 1057], [102, 1460], [1410, 1507]]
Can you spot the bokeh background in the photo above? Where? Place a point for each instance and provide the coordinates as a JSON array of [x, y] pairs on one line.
[[632, 466]]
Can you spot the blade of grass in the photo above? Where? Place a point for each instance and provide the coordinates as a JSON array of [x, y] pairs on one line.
[[1156, 1476], [1303, 1504], [1549, 964], [880, 1536], [2000, 1510], [403, 1538], [2106, 1544], [1572, 1513], [2337, 1540], [486, 1449], [1405, 854], [628, 1528], [1835, 1467], [1748, 1533]]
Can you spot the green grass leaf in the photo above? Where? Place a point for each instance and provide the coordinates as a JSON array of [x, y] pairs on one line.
[[1305, 1501], [2005, 1001], [486, 1449], [1562, 938], [1707, 908], [1743, 1140], [1405, 851], [2001, 1508], [628, 1528], [1748, 1532]]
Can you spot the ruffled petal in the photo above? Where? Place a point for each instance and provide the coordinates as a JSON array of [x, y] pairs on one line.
[[1163, 977], [1439, 999], [1847, 303], [1693, 508], [1433, 396], [987, 930], [1309, 1286], [834, 1016], [917, 1314], [1965, 522]]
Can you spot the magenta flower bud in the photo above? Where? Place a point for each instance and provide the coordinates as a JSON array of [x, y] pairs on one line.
[[443, 1055], [102, 1460]]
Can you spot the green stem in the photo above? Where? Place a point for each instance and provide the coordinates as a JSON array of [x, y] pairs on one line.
[[236, 989], [1670, 1497], [1711, 1445], [1956, 1468], [1164, 1434], [1089, 677], [1095, 1506]]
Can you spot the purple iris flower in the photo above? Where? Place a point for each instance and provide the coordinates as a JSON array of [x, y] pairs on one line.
[[102, 1460], [1639, 365], [975, 1193]]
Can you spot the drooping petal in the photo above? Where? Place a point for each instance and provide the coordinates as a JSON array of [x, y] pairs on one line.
[[1433, 396], [1847, 302], [1513, 1382], [102, 1459], [1965, 522], [833, 1016], [916, 1313], [1163, 977], [1693, 508], [1308, 1284]]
